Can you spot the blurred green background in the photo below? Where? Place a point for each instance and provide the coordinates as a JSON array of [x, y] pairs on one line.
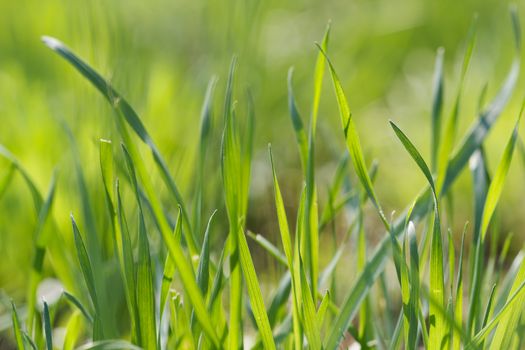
[[161, 54]]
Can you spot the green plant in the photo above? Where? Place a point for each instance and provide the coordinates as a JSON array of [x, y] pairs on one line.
[[203, 307]]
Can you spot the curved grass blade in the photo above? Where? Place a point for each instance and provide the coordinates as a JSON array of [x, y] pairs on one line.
[[125, 110], [352, 141], [437, 279], [269, 247], [38, 200], [73, 300]]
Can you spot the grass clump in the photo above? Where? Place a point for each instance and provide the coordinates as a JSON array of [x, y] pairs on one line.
[[194, 294]]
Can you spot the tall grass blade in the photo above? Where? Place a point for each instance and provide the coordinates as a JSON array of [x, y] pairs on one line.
[[17, 328], [87, 271], [437, 106], [352, 141], [145, 293], [169, 266], [318, 79], [205, 131], [437, 285], [254, 292], [48, 327]]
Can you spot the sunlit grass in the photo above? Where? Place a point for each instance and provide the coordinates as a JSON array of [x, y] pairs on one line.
[[190, 291]]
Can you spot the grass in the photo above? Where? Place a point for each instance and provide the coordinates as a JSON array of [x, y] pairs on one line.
[[189, 292]]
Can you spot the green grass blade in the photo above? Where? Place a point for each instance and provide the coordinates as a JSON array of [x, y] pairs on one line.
[[128, 269], [300, 133], [87, 271], [437, 279], [280, 299], [48, 328], [17, 329], [169, 266], [414, 153], [496, 186], [74, 300], [437, 106], [458, 306], [254, 292], [323, 308], [311, 223], [83, 259], [205, 131], [352, 141], [318, 79], [145, 293], [281, 215], [414, 289], [488, 309], [269, 247], [38, 200], [231, 176], [311, 327], [203, 270]]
